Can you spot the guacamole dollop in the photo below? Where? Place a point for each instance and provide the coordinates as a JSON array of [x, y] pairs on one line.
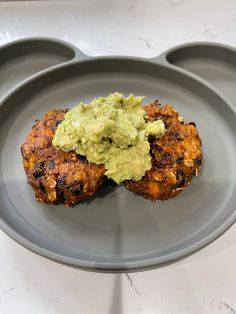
[[112, 131]]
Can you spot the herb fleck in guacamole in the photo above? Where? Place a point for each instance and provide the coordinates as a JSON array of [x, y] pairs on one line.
[[112, 131]]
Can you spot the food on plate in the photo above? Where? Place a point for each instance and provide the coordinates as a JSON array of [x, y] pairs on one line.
[[176, 156], [69, 153], [112, 131], [57, 176]]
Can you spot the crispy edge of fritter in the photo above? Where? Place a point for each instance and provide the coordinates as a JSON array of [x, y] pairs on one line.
[[57, 176], [176, 156]]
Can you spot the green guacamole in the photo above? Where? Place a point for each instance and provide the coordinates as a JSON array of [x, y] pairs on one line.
[[112, 131]]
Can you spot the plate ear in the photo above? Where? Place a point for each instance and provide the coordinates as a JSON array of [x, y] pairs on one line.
[[21, 59], [213, 62]]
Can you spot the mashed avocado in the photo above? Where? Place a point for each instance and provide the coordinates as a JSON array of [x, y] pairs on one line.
[[112, 131]]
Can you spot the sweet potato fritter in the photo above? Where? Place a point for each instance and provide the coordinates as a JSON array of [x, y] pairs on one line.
[[67, 178], [57, 176], [176, 157]]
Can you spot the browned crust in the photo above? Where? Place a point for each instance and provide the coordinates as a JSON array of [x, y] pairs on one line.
[[57, 176], [176, 157]]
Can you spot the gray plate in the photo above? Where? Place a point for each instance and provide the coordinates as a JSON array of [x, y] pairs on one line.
[[117, 230]]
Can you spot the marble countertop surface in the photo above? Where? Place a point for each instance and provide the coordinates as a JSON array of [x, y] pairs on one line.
[[204, 283]]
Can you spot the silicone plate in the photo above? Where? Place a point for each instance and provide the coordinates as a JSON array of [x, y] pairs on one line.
[[117, 230]]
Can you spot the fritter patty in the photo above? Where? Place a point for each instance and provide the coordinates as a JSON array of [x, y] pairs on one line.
[[176, 157], [57, 176]]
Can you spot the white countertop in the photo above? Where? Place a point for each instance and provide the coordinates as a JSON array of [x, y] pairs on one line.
[[203, 283]]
